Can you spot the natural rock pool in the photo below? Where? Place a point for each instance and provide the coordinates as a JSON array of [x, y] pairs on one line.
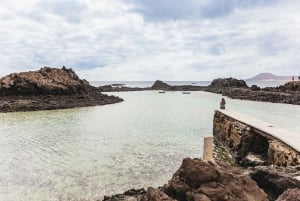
[[85, 153]]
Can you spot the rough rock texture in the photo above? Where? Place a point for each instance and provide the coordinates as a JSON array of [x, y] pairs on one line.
[[254, 95], [233, 88], [291, 87], [274, 181], [130, 195], [111, 88], [250, 146], [160, 85], [50, 81], [48, 88], [290, 195], [197, 180], [228, 82], [238, 89]]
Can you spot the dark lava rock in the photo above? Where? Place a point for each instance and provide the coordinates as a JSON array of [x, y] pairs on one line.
[[273, 182], [228, 82], [157, 195], [160, 85], [49, 88], [255, 88], [130, 195], [290, 195], [50, 81], [111, 88], [197, 180]]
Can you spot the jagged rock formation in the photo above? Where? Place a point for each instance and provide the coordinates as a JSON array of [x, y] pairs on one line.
[[228, 82], [48, 88], [160, 85], [204, 181], [237, 89], [275, 181], [233, 88], [289, 87], [50, 81]]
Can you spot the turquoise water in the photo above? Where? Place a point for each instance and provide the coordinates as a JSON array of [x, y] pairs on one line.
[[85, 153]]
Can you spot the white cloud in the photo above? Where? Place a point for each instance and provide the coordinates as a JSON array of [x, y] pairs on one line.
[[112, 40]]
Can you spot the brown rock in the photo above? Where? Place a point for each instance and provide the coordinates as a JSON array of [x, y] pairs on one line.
[[273, 183], [44, 81], [199, 180], [157, 195], [196, 172], [290, 195], [49, 88]]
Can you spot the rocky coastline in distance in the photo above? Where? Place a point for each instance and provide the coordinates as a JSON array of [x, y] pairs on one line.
[[47, 89], [288, 93]]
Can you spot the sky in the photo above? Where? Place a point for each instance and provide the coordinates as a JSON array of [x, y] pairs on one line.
[[151, 39]]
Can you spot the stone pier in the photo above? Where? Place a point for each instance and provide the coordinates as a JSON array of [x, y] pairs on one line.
[[253, 142]]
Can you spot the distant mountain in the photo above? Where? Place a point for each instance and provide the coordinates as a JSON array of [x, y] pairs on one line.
[[269, 77]]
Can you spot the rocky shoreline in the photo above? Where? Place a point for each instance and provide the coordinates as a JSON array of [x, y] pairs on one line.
[[198, 180], [48, 89], [230, 87]]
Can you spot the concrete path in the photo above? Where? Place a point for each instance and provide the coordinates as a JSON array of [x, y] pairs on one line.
[[288, 137]]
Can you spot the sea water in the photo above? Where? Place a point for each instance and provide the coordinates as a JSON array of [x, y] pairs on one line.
[[86, 153], [142, 84]]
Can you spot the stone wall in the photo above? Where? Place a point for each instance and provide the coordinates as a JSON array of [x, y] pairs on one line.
[[250, 146]]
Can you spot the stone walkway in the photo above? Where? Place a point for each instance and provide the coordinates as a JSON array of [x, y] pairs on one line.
[[287, 137]]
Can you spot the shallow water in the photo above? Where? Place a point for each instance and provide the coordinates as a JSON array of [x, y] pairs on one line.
[[85, 153]]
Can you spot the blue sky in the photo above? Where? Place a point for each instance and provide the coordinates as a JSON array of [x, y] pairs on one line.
[[152, 39]]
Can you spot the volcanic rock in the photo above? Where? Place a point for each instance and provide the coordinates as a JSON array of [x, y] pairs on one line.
[[290, 195], [274, 182], [228, 82], [48, 88], [160, 85], [50, 81], [197, 180]]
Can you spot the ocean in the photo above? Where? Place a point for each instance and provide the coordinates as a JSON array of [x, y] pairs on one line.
[[195, 83], [86, 153]]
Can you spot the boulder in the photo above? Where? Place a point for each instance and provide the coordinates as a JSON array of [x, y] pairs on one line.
[[273, 182], [198, 180]]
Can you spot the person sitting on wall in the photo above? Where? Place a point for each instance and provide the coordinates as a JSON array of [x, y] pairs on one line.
[[222, 104]]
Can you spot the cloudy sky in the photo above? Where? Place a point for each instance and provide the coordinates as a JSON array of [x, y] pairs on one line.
[[151, 39]]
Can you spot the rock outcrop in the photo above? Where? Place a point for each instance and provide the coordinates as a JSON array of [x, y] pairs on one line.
[[50, 81], [160, 85], [290, 195], [237, 89], [48, 88], [197, 180], [276, 180], [233, 88], [228, 82]]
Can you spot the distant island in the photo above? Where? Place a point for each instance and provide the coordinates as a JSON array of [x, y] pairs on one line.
[[269, 77]]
